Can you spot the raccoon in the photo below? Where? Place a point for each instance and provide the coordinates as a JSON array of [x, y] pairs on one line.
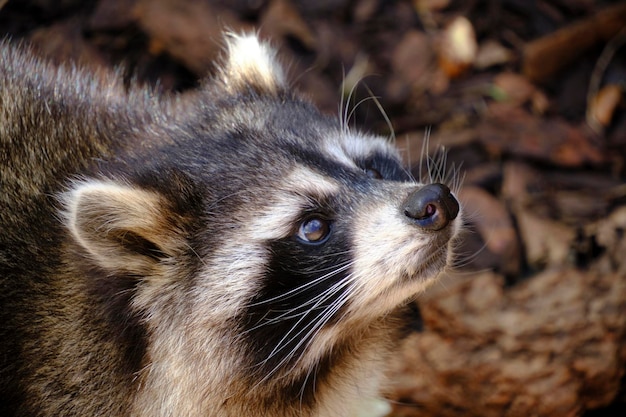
[[228, 252]]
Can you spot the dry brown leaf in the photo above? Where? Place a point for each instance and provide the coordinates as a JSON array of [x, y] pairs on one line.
[[113, 14], [546, 56], [547, 243], [608, 233], [458, 47], [493, 223], [63, 42], [491, 53], [412, 59], [518, 179], [512, 130], [189, 31], [430, 5], [283, 19], [603, 105], [516, 88]]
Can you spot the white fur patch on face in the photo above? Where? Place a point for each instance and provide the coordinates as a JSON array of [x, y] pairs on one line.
[[298, 191], [389, 250], [251, 63], [348, 147], [334, 149], [361, 146]]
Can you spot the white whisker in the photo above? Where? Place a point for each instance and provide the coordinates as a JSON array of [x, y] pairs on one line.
[[327, 294], [383, 113], [309, 336], [303, 287]]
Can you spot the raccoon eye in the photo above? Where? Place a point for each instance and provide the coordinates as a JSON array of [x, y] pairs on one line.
[[314, 230], [373, 174]]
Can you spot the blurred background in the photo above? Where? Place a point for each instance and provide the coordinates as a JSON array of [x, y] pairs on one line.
[[528, 100]]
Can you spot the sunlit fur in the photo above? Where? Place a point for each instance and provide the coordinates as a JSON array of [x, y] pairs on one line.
[[150, 259], [251, 64]]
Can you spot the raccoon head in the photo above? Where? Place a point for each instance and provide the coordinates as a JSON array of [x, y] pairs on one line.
[[262, 235]]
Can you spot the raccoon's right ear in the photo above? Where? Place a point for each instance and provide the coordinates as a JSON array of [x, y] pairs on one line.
[[251, 63], [121, 227]]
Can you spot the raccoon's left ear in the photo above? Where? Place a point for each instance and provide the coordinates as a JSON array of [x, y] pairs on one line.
[[251, 63], [121, 227]]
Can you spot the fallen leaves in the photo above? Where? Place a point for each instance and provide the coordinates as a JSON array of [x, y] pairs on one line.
[[546, 56], [486, 352], [515, 131]]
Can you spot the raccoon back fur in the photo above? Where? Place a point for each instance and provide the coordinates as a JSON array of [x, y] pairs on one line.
[[231, 252]]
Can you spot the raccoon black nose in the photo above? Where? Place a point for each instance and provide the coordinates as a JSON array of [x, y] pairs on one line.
[[431, 207]]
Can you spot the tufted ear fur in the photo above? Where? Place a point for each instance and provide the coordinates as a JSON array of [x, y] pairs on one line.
[[251, 63], [121, 227]]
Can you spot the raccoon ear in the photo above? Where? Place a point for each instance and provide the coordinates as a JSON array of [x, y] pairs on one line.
[[251, 63], [121, 227]]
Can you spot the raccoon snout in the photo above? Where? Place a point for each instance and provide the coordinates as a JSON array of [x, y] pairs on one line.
[[431, 207]]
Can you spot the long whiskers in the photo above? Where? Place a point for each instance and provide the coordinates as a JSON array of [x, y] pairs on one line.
[[300, 289], [437, 169], [346, 113], [309, 331], [293, 313], [383, 113], [308, 338]]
